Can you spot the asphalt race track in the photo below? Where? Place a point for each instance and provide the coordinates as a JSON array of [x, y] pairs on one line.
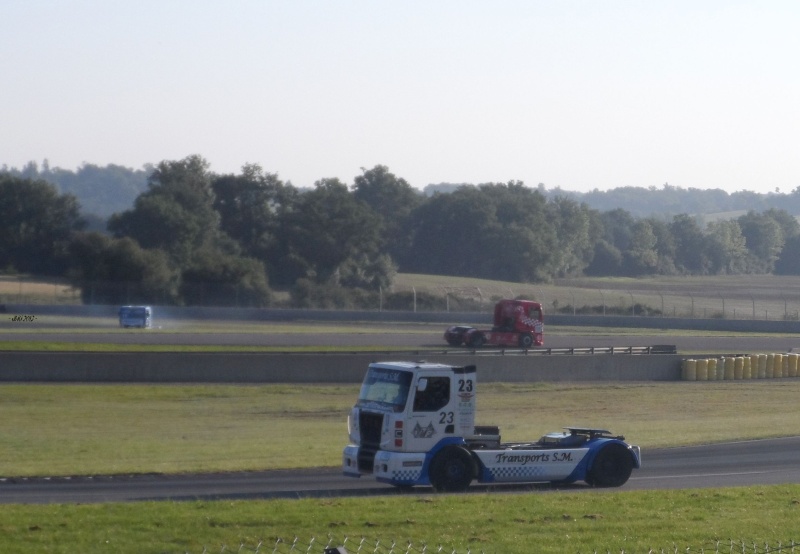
[[761, 462], [423, 336]]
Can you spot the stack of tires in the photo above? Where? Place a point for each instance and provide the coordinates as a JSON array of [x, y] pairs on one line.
[[729, 368]]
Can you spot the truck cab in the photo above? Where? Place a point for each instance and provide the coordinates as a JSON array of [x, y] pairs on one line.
[[516, 323], [414, 424], [135, 316], [405, 407]]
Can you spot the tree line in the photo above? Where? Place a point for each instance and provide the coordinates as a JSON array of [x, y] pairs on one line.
[[194, 237], [103, 191]]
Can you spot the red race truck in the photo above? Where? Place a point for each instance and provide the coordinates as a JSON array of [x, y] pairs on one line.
[[517, 323]]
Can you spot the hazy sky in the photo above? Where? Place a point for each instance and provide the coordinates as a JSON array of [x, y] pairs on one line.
[[573, 94]]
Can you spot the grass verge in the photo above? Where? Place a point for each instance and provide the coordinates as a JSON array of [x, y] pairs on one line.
[[635, 521]]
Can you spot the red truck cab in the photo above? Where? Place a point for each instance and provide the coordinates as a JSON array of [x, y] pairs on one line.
[[517, 323]]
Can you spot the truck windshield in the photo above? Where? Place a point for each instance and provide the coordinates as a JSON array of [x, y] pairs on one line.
[[388, 387]]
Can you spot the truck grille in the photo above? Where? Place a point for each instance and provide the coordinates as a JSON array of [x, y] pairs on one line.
[[370, 425]]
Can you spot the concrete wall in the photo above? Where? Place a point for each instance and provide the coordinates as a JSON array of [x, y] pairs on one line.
[[160, 367]]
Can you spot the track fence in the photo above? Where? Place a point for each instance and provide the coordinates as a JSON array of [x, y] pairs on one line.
[[746, 297], [361, 545]]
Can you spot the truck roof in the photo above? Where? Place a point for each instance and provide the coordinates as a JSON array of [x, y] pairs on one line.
[[421, 365]]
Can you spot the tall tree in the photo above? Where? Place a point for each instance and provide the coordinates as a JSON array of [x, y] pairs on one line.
[[329, 228], [764, 239], [176, 213], [251, 207], [119, 271], [787, 222], [690, 245], [520, 235], [449, 233], [641, 257], [665, 246], [572, 225], [618, 228], [606, 260], [494, 231], [214, 278], [393, 200], [35, 225], [725, 248]]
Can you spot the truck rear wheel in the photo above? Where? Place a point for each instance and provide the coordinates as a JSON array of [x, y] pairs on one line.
[[525, 340], [451, 470], [611, 467]]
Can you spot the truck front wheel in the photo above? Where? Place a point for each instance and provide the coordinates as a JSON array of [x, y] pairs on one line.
[[525, 341], [612, 467], [451, 470]]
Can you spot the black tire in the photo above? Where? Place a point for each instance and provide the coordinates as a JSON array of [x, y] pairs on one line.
[[476, 340], [611, 467], [451, 470], [525, 341]]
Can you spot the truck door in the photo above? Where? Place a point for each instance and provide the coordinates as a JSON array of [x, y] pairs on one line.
[[432, 416]]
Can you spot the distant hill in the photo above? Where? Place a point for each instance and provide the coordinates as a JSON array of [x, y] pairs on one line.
[[666, 201], [101, 191]]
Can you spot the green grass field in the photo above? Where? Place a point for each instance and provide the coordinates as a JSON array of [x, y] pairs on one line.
[[81, 429]]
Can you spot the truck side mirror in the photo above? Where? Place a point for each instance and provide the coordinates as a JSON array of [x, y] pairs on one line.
[[422, 384]]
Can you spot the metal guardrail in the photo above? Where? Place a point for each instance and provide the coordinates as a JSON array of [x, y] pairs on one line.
[[587, 351]]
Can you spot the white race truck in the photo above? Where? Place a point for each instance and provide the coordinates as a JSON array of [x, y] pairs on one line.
[[414, 424]]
